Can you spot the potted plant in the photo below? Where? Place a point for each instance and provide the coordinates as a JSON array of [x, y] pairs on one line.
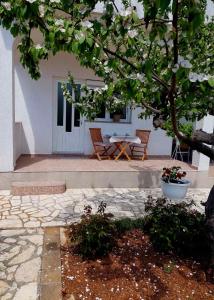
[[116, 116], [173, 184]]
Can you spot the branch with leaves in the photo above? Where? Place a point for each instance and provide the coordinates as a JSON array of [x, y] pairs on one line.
[[162, 62]]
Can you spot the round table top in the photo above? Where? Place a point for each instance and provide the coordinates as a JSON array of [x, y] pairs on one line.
[[125, 138]]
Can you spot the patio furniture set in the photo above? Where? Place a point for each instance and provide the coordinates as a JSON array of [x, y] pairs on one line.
[[117, 146]]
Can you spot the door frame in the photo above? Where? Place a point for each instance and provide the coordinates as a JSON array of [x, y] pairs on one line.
[[55, 80]]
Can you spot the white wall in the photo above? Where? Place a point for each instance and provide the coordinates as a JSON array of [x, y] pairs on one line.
[[199, 160], [34, 101], [18, 138], [34, 109], [6, 102]]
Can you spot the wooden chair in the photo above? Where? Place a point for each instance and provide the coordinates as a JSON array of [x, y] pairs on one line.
[[100, 147], [140, 150]]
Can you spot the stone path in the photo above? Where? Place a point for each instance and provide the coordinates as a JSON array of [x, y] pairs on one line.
[[22, 219], [20, 263], [59, 210]]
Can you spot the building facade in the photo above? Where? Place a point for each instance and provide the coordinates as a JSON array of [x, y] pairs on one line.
[[36, 119]]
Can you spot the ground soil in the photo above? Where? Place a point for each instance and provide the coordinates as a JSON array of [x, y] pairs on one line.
[[133, 271]]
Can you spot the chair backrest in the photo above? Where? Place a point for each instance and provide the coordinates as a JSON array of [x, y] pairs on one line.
[[143, 135], [96, 135]]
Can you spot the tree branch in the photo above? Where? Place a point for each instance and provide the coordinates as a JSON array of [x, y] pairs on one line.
[[204, 137], [106, 50], [166, 47], [154, 110], [198, 146], [172, 90], [115, 6]]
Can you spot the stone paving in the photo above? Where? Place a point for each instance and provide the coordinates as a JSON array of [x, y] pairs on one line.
[[62, 209], [22, 219], [20, 263]]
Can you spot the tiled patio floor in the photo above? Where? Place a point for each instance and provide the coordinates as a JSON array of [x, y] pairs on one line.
[[64, 163], [211, 171]]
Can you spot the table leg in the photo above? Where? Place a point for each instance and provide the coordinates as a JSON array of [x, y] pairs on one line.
[[122, 148]]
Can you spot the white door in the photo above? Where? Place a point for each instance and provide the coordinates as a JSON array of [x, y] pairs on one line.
[[67, 123]]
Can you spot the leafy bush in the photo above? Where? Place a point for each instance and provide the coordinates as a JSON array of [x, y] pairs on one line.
[[127, 224], [94, 236], [171, 227], [175, 227]]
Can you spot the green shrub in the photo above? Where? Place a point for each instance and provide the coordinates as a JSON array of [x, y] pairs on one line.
[[127, 224], [94, 236], [175, 227]]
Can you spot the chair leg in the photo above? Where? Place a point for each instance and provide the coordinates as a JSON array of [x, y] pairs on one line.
[[99, 153], [145, 154], [98, 156], [106, 151], [131, 150]]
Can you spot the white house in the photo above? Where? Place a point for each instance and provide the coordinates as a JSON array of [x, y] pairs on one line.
[[35, 119]]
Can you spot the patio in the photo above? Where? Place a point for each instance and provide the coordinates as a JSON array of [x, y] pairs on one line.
[[70, 163], [83, 172]]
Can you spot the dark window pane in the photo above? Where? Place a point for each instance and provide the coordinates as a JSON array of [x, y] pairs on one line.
[[60, 105], [122, 112], [76, 111], [102, 113], [69, 112]]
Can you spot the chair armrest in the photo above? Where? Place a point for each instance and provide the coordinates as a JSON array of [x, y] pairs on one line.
[[102, 144]]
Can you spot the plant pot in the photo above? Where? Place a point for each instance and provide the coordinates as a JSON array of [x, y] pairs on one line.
[[175, 191], [116, 117]]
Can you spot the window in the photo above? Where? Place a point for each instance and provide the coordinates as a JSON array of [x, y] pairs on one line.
[[68, 115], [60, 106], [76, 111], [104, 115], [68, 127]]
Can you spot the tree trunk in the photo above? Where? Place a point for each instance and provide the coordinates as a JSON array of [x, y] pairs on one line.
[[204, 137], [197, 145], [209, 212], [196, 142]]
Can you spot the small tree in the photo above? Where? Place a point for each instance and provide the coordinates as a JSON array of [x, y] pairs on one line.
[[162, 61]]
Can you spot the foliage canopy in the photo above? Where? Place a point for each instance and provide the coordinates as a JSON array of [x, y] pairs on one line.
[[161, 60]]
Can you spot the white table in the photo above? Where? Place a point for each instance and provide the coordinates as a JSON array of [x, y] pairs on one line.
[[122, 143]]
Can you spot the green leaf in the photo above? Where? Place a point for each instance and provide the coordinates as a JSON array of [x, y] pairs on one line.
[[211, 81], [89, 40], [164, 5], [82, 39], [75, 47], [147, 68]]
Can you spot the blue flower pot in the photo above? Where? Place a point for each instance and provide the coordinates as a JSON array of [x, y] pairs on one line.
[[175, 191]]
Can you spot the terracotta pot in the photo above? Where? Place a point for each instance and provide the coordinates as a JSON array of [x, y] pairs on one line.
[[116, 117]]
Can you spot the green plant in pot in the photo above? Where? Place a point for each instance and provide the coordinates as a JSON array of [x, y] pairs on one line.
[[116, 115], [173, 184]]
